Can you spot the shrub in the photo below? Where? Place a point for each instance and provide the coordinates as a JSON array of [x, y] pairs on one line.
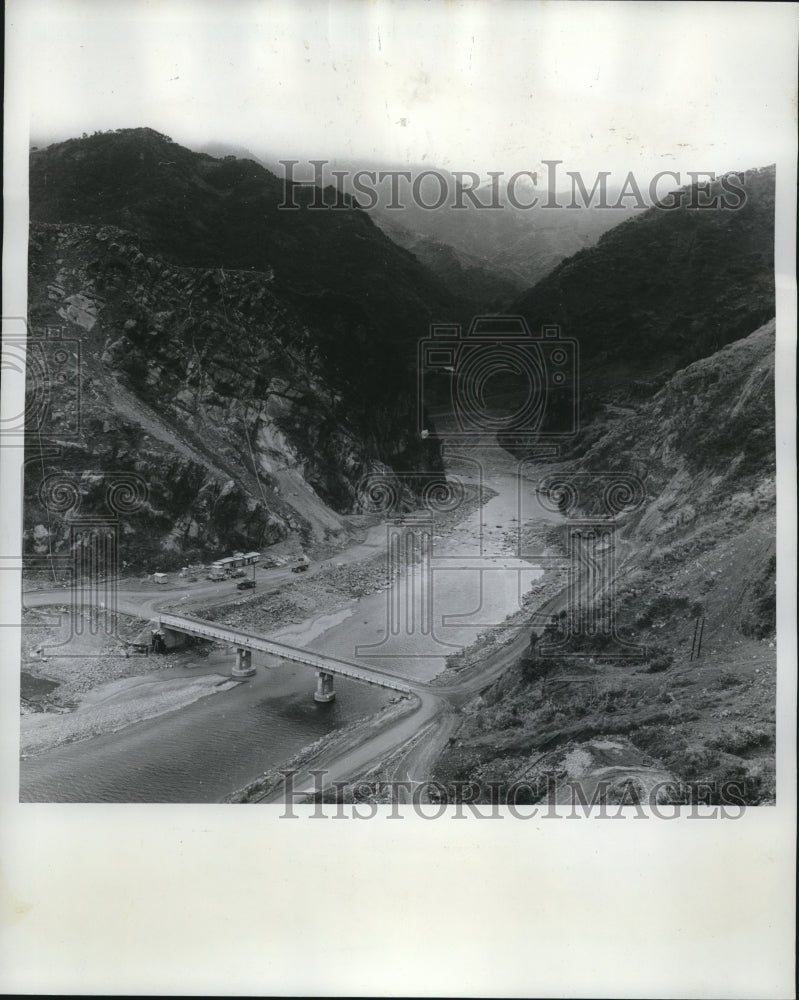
[[741, 739], [728, 679], [659, 664], [505, 719], [663, 607], [535, 667], [691, 762]]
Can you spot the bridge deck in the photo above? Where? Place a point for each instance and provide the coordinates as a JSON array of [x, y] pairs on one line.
[[246, 640]]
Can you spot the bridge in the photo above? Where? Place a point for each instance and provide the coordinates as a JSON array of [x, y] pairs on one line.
[[245, 642]]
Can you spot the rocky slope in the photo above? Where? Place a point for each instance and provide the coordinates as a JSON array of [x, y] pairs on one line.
[[248, 364], [705, 449], [700, 551]]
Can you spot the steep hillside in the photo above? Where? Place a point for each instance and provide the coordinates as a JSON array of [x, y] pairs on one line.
[[705, 448], [515, 246], [250, 364], [662, 290], [199, 211], [476, 285], [697, 560]]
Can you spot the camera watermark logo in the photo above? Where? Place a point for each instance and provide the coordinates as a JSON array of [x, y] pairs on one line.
[[499, 379]]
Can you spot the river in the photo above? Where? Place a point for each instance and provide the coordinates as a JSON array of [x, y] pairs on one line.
[[201, 752]]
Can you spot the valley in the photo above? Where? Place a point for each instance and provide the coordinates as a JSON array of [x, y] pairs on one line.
[[245, 373]]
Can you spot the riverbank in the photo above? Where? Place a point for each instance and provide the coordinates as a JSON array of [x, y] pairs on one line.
[[367, 750], [334, 587], [322, 753], [110, 693], [76, 655], [78, 684], [80, 680], [114, 706], [541, 599]]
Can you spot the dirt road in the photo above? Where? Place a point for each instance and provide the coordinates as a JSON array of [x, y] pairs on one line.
[[412, 741]]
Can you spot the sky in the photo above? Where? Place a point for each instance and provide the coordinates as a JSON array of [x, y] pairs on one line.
[[481, 86], [484, 85]]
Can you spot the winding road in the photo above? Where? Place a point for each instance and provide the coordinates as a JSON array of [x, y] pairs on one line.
[[409, 743]]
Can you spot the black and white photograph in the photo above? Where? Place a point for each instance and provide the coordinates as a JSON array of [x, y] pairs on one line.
[[398, 424]]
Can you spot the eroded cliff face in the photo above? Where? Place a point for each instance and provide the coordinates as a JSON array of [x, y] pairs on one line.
[[245, 407], [694, 586], [704, 447]]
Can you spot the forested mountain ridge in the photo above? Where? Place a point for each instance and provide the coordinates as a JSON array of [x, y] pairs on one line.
[[250, 363]]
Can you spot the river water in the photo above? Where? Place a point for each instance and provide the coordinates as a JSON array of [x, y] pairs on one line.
[[205, 750]]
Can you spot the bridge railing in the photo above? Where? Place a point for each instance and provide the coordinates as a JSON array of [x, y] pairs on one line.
[[247, 640]]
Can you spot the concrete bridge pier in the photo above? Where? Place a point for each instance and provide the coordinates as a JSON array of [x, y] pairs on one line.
[[324, 687], [244, 667]]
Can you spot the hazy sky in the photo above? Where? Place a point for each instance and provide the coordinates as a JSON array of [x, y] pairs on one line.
[[478, 85]]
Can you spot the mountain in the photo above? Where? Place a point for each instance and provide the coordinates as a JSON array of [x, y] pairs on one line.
[[514, 245], [662, 290], [483, 289], [476, 282], [695, 562], [485, 256], [249, 363], [674, 315], [221, 150]]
